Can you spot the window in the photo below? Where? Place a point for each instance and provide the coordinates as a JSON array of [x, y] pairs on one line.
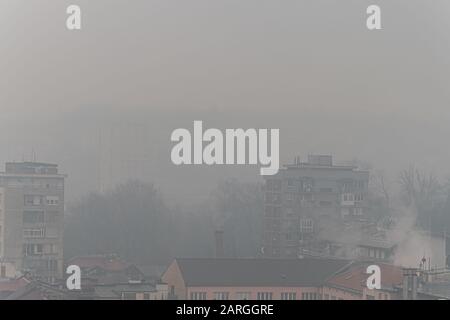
[[146, 296], [52, 265], [345, 212], [52, 216], [289, 211], [369, 297], [309, 296], [52, 200], [325, 203], [33, 216], [326, 296], [264, 296], [359, 197], [291, 182], [348, 197], [34, 233], [32, 249], [306, 225], [33, 200], [128, 296], [198, 295], [288, 296], [220, 295], [242, 295], [326, 189]]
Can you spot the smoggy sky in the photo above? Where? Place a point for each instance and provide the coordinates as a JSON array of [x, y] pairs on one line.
[[103, 101]]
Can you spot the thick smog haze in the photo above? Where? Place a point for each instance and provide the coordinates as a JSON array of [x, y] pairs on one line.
[[103, 101]]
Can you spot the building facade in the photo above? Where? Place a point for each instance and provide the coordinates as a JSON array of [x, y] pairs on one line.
[[31, 219], [249, 279], [302, 196], [289, 279]]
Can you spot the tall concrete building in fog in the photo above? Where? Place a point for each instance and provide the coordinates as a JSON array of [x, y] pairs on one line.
[[306, 196], [31, 220]]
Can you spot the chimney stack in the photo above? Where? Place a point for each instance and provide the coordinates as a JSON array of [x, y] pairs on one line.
[[410, 283], [219, 250]]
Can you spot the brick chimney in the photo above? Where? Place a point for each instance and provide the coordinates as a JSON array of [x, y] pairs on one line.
[[219, 249]]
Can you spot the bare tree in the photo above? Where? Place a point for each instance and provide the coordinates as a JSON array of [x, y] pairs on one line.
[[420, 188], [381, 186]]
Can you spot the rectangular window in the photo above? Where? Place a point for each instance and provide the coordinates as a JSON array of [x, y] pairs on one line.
[[33, 200], [52, 200], [288, 296], [306, 225], [31, 249], [220, 295], [242, 295], [198, 295], [290, 182], [309, 296], [264, 296], [128, 296], [52, 216], [33, 216], [52, 265], [34, 233]]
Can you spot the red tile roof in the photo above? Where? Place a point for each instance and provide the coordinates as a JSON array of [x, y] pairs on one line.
[[355, 277], [105, 262], [13, 284]]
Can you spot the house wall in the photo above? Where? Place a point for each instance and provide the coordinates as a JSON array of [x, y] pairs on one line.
[[330, 293], [233, 292], [175, 281]]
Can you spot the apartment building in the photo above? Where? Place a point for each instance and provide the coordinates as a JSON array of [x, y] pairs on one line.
[[305, 197], [31, 220]]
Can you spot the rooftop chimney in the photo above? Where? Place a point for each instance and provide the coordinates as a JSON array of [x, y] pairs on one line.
[[410, 283], [219, 250]]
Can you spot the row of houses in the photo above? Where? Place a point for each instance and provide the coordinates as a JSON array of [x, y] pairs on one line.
[[103, 277], [108, 277], [286, 279]]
